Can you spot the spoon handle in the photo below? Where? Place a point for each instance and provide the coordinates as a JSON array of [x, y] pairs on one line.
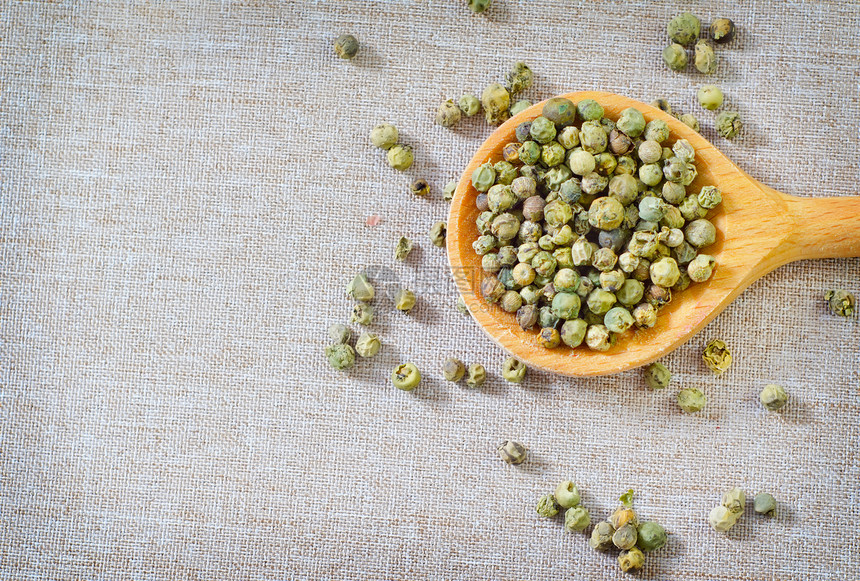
[[825, 227]]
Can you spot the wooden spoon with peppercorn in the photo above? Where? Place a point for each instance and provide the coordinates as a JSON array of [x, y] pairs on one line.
[[758, 230]]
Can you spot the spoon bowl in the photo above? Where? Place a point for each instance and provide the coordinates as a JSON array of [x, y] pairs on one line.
[[758, 230]]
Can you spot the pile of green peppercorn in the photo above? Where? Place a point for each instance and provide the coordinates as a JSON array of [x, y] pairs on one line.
[[587, 228]]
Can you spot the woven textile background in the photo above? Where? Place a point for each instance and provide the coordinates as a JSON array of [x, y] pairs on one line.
[[183, 195]]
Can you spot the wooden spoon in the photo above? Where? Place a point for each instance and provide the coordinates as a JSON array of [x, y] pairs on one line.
[[758, 229]]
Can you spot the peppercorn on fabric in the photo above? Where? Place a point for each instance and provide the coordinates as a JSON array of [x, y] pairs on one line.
[[187, 190]]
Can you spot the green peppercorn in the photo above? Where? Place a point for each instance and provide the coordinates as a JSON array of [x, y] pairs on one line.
[[624, 515], [773, 397], [665, 272], [706, 59], [340, 356], [520, 106], [701, 268], [552, 156], [360, 289], [404, 300], [651, 537], [346, 46], [406, 376], [569, 136], [519, 78], [631, 560], [448, 114], [469, 104], [497, 103], [663, 105], [710, 97], [529, 152], [589, 110], [722, 519], [657, 376], [484, 177], [573, 332], [339, 333], [690, 121], [618, 320], [840, 302], [368, 344], [593, 138], [684, 28], [656, 130], [453, 369], [728, 124], [601, 536], [527, 316], [384, 136], [632, 122], [606, 213], [576, 519], [691, 400], [478, 5], [734, 500], [717, 356], [722, 30], [547, 506], [598, 338], [645, 315], [764, 503], [513, 370], [420, 187], [630, 293], [362, 313], [512, 452], [400, 157], [477, 375], [700, 233], [625, 536], [549, 337], [560, 111], [437, 233]]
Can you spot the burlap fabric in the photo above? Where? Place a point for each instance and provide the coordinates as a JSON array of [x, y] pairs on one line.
[[184, 192]]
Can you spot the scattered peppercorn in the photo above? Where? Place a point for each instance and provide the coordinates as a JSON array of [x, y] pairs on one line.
[[400, 157], [448, 114], [657, 376], [728, 124], [764, 503], [340, 356], [346, 46], [478, 5], [691, 400], [384, 136], [722, 30], [513, 370], [368, 344], [512, 452], [469, 104], [403, 248], [477, 375], [717, 356], [437, 233], [404, 300], [773, 397], [406, 376], [706, 58], [684, 28], [840, 302], [453, 369], [710, 97]]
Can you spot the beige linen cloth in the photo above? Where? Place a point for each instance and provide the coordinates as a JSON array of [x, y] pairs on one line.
[[184, 190]]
